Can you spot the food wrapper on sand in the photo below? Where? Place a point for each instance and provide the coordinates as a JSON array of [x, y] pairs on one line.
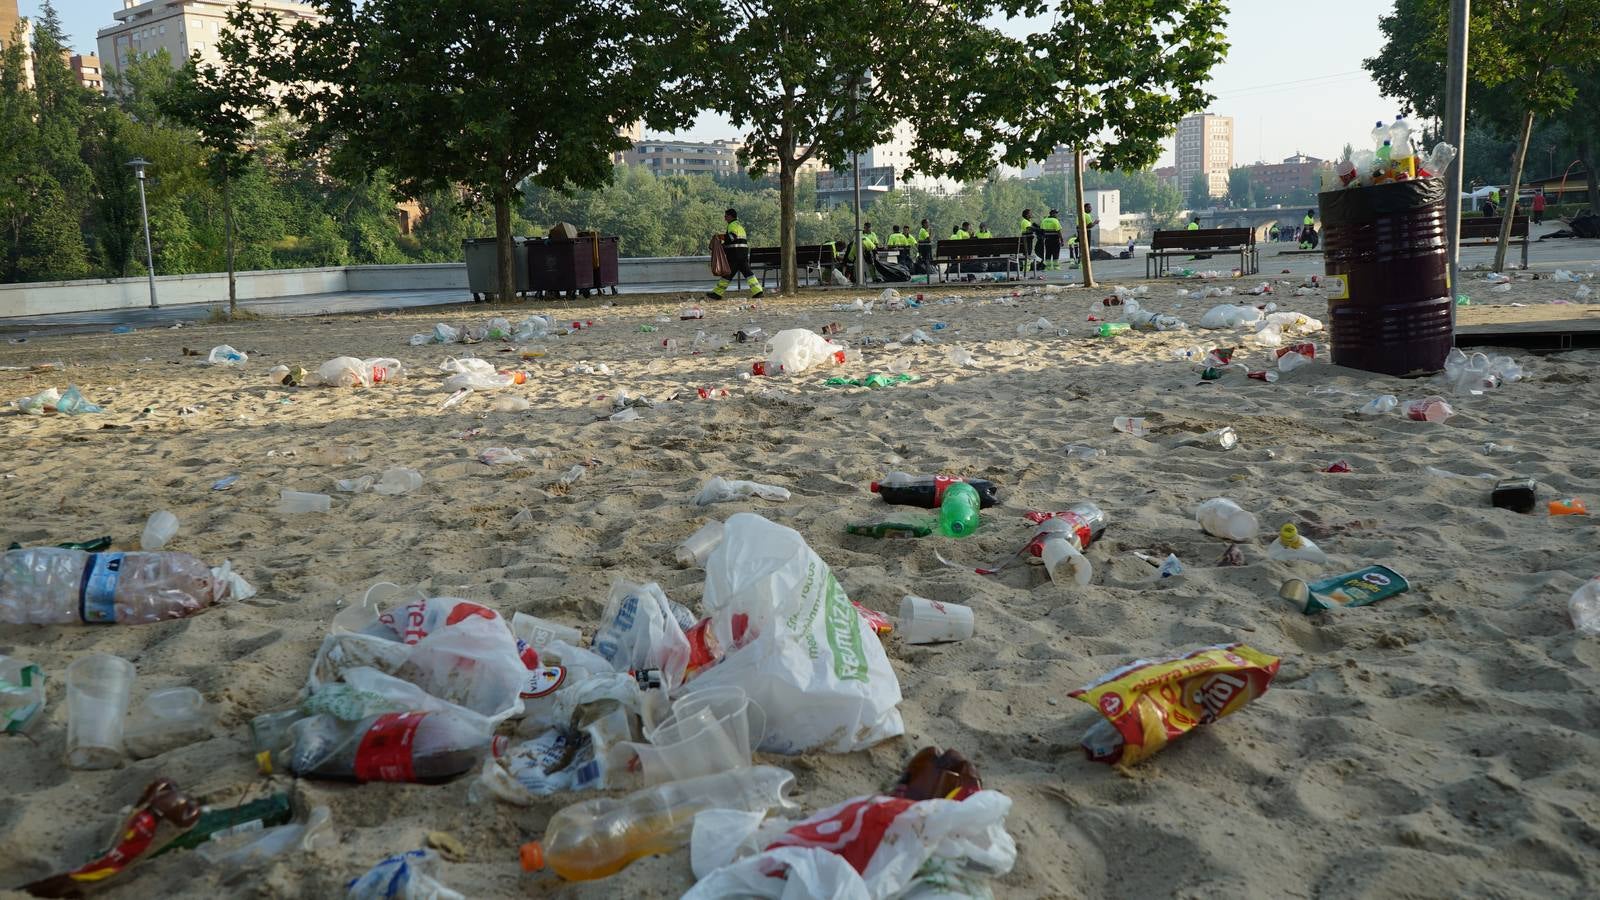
[[1149, 703]]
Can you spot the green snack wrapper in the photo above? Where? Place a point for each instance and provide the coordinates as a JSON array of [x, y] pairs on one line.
[[1359, 588]]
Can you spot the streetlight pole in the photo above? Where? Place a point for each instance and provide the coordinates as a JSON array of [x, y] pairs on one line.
[[1455, 130], [139, 165]]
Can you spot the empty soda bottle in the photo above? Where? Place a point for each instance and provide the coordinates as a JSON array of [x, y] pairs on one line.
[[408, 747], [927, 491], [50, 586], [601, 837], [958, 512], [1062, 538]]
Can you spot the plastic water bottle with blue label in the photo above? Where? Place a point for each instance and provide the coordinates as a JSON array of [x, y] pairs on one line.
[[51, 586]]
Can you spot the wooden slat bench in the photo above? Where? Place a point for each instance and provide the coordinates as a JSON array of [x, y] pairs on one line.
[[1486, 230], [1167, 244], [956, 252], [807, 258]]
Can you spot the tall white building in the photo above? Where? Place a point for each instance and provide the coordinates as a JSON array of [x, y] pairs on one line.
[[180, 27], [1204, 146]]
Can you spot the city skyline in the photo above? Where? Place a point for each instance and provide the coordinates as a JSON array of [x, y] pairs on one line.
[[1285, 96]]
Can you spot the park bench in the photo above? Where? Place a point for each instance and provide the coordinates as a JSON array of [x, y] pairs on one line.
[[971, 250], [1202, 241], [814, 259], [1486, 230]]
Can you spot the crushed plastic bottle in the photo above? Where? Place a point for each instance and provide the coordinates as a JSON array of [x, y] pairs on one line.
[[417, 747], [224, 355], [1380, 405], [51, 586]]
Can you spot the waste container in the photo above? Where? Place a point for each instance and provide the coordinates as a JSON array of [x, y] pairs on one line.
[[559, 266], [483, 268], [1395, 313]]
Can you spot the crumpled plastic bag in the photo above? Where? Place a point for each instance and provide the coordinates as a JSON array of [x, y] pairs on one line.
[[1230, 315], [441, 334], [70, 402], [870, 848], [722, 490], [404, 876], [466, 365], [457, 650], [640, 631], [532, 328], [224, 355], [795, 350], [562, 759], [795, 644]]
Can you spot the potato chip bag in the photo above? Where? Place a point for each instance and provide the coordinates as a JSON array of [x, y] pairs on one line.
[[1148, 703]]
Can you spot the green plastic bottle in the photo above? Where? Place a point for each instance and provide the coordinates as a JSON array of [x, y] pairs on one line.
[[1111, 328], [958, 514]]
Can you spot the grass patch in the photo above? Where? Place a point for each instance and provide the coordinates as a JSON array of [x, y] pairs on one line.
[[219, 316]]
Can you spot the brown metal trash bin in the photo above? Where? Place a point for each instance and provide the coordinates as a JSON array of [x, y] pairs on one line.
[[1395, 314], [562, 266]]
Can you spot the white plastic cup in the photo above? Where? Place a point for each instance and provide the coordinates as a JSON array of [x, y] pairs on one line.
[[689, 746], [97, 700], [697, 547], [924, 621], [743, 718], [295, 502], [170, 718], [160, 529]]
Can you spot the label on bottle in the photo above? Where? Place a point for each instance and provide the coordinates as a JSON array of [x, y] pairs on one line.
[[385, 750], [97, 603], [380, 374], [543, 680]]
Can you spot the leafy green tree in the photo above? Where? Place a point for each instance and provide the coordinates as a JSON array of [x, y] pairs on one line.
[[820, 79], [1199, 191], [16, 150], [115, 209], [481, 93], [50, 241], [1241, 188], [1111, 81]]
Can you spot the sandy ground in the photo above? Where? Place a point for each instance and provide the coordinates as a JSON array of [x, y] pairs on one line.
[[1444, 743]]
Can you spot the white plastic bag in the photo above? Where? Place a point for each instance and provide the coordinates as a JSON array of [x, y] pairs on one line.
[[532, 328], [466, 365], [721, 490], [478, 381], [404, 876], [224, 355], [638, 631], [801, 652], [1230, 316], [952, 846], [344, 371], [794, 350], [456, 650]]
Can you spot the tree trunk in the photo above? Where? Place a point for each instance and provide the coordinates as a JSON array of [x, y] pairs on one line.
[[789, 281], [1083, 224], [503, 248], [1586, 155], [227, 218], [1509, 211]]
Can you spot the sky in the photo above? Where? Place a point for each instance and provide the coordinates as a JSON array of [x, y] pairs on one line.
[[1292, 80]]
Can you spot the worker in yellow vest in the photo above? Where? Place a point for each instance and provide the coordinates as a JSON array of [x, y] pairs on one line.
[[1194, 224], [1050, 225], [736, 245], [1032, 243]]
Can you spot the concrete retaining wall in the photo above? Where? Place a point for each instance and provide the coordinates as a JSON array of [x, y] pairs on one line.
[[94, 295]]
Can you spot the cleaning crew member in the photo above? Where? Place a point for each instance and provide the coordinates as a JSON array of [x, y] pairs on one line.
[[1051, 226], [737, 245]]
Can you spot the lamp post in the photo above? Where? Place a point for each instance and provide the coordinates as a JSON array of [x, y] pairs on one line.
[[139, 165]]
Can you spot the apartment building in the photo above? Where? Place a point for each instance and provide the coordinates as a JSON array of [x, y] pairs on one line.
[[664, 156], [86, 69], [180, 27], [1204, 146]]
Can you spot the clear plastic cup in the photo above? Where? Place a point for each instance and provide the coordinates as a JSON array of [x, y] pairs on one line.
[[743, 718], [697, 547], [294, 502], [97, 700], [170, 718], [158, 530], [689, 746], [399, 481], [924, 621]]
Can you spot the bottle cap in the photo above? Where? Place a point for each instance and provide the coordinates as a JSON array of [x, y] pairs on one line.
[[1289, 536], [532, 856], [873, 487]]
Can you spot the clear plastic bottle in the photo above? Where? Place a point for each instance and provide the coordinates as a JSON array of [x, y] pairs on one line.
[[601, 837], [413, 747], [1133, 425], [1585, 608], [1224, 518], [1380, 133], [1380, 405], [50, 586], [1403, 155]]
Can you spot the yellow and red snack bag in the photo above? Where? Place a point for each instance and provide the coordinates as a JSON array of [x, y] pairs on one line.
[[1151, 702]]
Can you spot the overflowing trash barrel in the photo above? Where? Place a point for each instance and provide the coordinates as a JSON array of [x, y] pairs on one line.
[[1395, 313]]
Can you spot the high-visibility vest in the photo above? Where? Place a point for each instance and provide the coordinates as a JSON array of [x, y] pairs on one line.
[[1088, 220], [983, 234], [735, 238], [1307, 221], [1194, 226], [922, 234], [959, 235], [1024, 227], [1050, 223], [873, 236]]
